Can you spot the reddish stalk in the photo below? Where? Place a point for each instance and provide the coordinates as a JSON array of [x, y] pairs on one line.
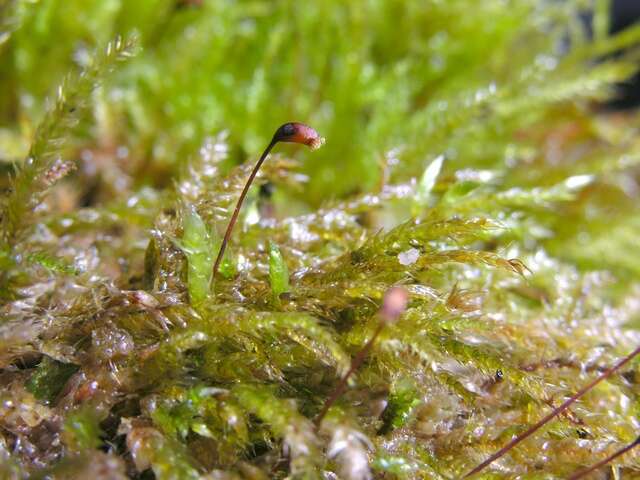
[[293, 132], [554, 413], [602, 463], [355, 365], [394, 305]]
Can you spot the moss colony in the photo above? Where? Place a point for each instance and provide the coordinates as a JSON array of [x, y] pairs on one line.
[[469, 158]]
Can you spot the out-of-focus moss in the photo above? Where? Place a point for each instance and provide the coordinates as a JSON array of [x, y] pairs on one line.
[[49, 378], [43, 167], [82, 430]]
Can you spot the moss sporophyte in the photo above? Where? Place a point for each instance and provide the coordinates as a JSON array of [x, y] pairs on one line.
[[292, 132], [394, 304]]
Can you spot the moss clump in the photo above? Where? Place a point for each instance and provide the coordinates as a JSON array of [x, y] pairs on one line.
[[469, 159]]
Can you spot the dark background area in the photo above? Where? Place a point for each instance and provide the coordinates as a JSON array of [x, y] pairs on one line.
[[626, 13]]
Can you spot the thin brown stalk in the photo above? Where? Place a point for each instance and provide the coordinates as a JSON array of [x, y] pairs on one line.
[[236, 211], [554, 413], [342, 385], [394, 305], [602, 463]]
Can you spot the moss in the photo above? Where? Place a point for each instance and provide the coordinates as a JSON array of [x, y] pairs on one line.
[[197, 247], [468, 159], [82, 430], [278, 271], [49, 378], [401, 403]]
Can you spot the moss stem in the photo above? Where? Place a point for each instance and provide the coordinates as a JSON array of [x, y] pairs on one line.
[[355, 365], [393, 305], [554, 413], [236, 212], [602, 463]]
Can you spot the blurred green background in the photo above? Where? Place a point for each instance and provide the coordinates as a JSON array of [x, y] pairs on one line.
[[380, 79], [506, 85]]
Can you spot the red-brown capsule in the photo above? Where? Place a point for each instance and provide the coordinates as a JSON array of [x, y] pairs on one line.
[[394, 304], [295, 132]]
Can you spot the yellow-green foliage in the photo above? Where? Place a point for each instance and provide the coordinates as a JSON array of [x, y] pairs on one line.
[[470, 158], [278, 271], [197, 247]]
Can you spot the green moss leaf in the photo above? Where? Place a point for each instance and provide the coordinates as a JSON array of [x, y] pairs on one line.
[[428, 181], [150, 265], [400, 405], [197, 246], [278, 271], [52, 263], [82, 430], [49, 379]]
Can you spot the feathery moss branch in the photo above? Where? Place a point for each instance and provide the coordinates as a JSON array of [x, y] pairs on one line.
[[44, 166]]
